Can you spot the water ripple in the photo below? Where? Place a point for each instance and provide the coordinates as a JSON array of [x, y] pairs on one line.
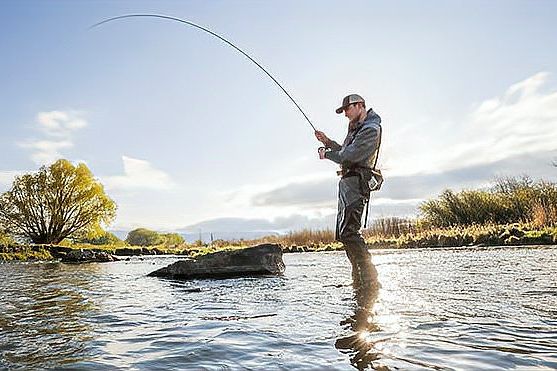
[[443, 309]]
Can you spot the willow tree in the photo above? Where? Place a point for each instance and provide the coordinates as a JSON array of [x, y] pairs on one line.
[[58, 201]]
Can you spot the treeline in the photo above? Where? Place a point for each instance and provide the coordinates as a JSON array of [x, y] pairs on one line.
[[137, 237], [147, 237]]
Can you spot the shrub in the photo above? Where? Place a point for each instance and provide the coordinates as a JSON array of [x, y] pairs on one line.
[[510, 200]]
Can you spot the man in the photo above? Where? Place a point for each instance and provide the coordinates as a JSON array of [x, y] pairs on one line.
[[357, 156]]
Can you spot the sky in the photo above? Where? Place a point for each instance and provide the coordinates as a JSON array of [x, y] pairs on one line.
[[186, 134]]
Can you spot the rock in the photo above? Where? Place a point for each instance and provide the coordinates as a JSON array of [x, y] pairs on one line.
[[512, 240], [127, 251], [57, 252], [257, 260], [87, 256]]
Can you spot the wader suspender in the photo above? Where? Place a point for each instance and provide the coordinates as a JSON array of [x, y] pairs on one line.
[[376, 158]]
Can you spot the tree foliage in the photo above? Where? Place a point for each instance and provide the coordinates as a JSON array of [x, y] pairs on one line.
[[173, 239], [144, 237], [147, 237], [5, 239], [104, 238], [57, 202]]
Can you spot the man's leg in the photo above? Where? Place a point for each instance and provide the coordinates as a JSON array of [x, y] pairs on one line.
[[368, 273], [348, 233], [354, 263], [363, 271]]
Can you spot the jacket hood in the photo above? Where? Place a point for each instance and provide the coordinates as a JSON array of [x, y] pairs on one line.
[[372, 116]]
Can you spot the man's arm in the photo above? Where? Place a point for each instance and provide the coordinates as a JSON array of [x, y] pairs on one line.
[[333, 145], [363, 145], [328, 143]]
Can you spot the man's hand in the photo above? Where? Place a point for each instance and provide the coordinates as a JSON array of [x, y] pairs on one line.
[[322, 137], [321, 151]]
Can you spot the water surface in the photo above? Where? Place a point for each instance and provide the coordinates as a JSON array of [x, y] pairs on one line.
[[485, 308]]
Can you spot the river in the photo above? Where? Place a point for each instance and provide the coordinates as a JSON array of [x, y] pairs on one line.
[[461, 309]]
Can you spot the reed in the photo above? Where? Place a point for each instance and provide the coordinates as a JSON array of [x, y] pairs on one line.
[[390, 227], [510, 200]]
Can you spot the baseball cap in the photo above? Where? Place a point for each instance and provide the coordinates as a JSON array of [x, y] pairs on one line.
[[349, 99]]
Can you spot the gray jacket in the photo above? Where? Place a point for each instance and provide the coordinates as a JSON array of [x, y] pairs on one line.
[[361, 145]]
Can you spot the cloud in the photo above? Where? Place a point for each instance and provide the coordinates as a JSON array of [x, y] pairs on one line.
[[7, 178], [314, 193], [57, 128], [60, 123], [261, 226], [46, 151], [139, 174], [522, 120], [402, 192]]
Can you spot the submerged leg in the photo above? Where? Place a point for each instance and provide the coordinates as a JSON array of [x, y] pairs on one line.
[[354, 263]]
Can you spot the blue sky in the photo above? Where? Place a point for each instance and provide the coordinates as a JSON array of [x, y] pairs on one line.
[[182, 129]]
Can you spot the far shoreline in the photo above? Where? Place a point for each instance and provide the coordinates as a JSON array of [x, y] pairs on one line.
[[493, 236]]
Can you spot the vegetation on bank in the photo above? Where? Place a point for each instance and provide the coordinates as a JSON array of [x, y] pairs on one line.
[[305, 241], [474, 235], [24, 253], [56, 202], [514, 211], [508, 201]]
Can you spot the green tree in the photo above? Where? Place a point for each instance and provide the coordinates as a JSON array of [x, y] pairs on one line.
[[57, 202], [144, 237], [104, 238], [5, 239], [172, 239]]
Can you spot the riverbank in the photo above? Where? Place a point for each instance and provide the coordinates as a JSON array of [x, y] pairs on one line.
[[478, 235], [487, 235]]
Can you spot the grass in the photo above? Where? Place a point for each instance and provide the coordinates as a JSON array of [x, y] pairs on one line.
[[26, 254], [392, 236]]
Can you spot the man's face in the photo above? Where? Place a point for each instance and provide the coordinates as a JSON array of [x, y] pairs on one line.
[[352, 112]]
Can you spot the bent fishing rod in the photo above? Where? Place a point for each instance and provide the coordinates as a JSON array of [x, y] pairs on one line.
[[213, 34]]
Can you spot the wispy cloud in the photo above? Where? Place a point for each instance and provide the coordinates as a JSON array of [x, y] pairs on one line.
[[401, 190], [521, 120], [60, 123], [139, 174], [57, 128], [7, 178], [279, 224]]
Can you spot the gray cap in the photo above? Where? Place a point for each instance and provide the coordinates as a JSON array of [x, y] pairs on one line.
[[349, 99]]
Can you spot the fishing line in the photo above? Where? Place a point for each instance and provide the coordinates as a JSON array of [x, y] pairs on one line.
[[215, 35]]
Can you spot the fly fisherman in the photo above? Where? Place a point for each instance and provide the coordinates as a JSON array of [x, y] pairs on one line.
[[357, 157]]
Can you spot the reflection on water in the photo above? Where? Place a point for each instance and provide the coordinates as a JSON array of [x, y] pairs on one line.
[[42, 320], [457, 309], [360, 343]]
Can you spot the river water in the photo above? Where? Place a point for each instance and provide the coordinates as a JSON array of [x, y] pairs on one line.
[[463, 309]]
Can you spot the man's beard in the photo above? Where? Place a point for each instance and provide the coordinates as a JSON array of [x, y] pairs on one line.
[[356, 120], [352, 123]]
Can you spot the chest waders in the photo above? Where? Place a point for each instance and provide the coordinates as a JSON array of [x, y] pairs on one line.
[[366, 176]]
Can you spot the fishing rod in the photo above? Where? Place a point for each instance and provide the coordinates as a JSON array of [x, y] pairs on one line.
[[215, 35]]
